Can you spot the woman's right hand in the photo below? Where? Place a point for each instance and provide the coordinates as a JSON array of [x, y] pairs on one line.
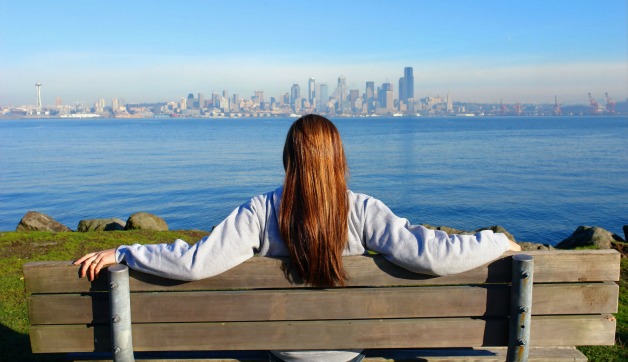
[[92, 263]]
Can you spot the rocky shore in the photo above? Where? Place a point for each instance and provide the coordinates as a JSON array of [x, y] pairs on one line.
[[583, 236], [37, 221]]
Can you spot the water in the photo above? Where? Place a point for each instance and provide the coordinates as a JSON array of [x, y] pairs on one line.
[[540, 178]]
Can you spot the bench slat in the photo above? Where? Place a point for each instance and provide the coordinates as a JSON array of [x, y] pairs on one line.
[[557, 266], [487, 354], [493, 354], [260, 305], [400, 333]]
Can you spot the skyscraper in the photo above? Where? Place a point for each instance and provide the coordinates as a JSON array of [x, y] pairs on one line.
[[341, 92], [406, 88], [409, 79], [259, 95], [323, 94], [201, 101], [370, 97], [295, 93], [311, 90], [386, 96]]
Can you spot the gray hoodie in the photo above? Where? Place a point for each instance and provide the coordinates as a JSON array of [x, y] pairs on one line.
[[252, 228]]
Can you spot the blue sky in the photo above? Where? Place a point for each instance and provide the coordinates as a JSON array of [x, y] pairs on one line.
[[478, 51]]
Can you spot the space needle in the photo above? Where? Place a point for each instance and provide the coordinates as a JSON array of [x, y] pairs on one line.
[[38, 85]]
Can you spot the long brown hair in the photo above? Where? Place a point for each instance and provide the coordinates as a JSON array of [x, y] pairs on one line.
[[314, 204]]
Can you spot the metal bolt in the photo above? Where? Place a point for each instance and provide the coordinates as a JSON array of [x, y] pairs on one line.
[[117, 350], [521, 342], [524, 275], [113, 285], [115, 318], [523, 309]]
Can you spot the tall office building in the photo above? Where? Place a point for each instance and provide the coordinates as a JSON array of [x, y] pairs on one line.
[[260, 96], [295, 93], [370, 97], [341, 92], [192, 103], [201, 101], [409, 79], [406, 88], [353, 95], [323, 97], [385, 96], [402, 90], [311, 90], [390, 101], [235, 103]]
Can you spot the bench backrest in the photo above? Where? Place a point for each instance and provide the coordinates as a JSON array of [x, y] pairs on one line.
[[255, 307]]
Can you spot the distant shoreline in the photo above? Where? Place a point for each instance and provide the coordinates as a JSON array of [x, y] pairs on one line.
[[267, 116]]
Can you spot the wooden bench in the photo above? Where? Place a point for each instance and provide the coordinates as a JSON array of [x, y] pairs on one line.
[[393, 313]]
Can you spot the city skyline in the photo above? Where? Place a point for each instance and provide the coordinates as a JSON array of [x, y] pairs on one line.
[[481, 52]]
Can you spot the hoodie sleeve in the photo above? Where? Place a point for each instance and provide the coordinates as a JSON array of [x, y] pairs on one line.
[[231, 242], [426, 251]]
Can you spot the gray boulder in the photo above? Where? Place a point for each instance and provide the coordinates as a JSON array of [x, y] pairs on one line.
[[525, 246], [37, 221], [145, 221], [111, 224], [588, 236]]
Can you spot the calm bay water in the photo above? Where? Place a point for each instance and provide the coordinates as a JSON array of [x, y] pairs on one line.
[[540, 178]]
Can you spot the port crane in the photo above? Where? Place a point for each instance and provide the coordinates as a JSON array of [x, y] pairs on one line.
[[610, 104], [595, 106]]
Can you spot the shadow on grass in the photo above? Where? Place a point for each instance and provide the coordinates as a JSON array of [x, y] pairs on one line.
[[16, 346]]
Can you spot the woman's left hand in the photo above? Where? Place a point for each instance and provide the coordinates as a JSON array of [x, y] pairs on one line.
[[93, 263]]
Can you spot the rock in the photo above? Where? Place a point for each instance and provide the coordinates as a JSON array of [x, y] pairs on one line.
[[525, 245], [36, 221], [110, 224], [622, 247], [625, 232], [145, 221], [588, 236]]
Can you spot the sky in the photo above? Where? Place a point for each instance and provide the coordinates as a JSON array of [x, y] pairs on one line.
[[483, 51]]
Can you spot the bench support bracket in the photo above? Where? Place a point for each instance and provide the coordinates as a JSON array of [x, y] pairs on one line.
[[120, 301], [520, 308]]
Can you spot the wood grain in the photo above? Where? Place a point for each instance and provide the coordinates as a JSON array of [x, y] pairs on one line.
[[295, 304], [261, 273], [398, 333]]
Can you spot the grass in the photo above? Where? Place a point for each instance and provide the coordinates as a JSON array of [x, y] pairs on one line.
[[18, 248]]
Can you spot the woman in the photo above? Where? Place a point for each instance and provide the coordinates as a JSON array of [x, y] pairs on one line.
[[315, 220]]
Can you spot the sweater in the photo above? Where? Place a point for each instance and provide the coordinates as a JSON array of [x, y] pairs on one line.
[[252, 228]]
